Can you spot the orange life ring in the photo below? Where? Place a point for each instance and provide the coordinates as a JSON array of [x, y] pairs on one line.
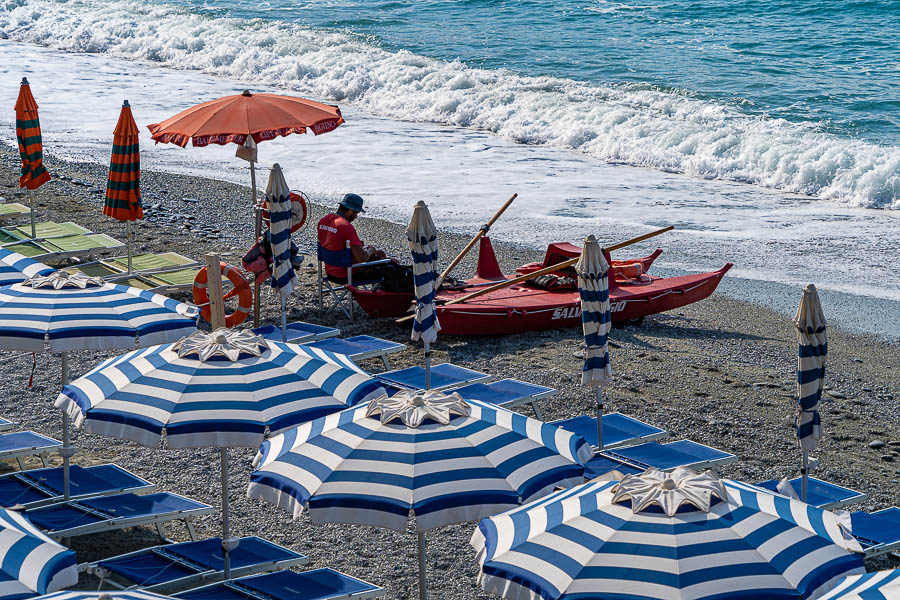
[[299, 211], [241, 289]]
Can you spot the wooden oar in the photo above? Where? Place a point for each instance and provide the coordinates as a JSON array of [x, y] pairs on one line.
[[481, 232], [546, 270]]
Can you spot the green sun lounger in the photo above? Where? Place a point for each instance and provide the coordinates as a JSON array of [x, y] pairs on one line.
[[162, 273], [12, 210], [58, 249]]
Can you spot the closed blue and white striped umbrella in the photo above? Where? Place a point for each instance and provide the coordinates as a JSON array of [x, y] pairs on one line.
[[464, 461], [278, 202], [593, 289], [879, 585], [74, 312], [106, 595], [223, 389], [670, 536], [811, 356], [422, 236], [15, 268], [30, 562]]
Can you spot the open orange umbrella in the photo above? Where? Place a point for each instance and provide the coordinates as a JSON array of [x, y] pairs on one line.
[[123, 187], [31, 147], [234, 119]]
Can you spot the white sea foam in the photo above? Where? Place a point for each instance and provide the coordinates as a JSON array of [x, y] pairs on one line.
[[636, 125]]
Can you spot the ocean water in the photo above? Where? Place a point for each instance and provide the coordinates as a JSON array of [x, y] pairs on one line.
[[766, 132]]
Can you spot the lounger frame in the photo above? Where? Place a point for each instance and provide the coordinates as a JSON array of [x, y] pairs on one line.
[[54, 497], [44, 447]]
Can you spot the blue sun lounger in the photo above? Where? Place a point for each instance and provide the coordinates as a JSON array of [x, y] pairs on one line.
[[878, 532], [821, 494], [618, 430], [20, 444], [445, 376], [318, 584], [107, 513], [6, 425], [298, 332], [508, 393], [42, 487], [665, 457], [359, 347], [172, 567]]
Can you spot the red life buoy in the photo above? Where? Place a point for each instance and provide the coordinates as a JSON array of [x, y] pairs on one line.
[[299, 211], [241, 288]]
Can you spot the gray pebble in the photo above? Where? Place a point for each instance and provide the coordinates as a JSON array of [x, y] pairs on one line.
[[837, 395], [876, 444]]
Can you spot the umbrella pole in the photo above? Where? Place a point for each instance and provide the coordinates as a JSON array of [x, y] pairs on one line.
[[128, 238], [427, 366], [31, 196], [423, 590], [283, 319], [804, 469], [599, 419], [228, 543], [66, 451], [257, 215]]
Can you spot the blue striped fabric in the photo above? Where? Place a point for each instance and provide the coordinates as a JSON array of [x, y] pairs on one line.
[[811, 356], [109, 594], [422, 236], [278, 202], [141, 394], [351, 468], [880, 585], [30, 562], [99, 317], [15, 268], [578, 544], [593, 288]]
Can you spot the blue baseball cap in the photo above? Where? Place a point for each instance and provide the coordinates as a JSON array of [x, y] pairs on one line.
[[353, 202]]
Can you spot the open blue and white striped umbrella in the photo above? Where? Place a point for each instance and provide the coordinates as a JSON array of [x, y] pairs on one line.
[[593, 289], [811, 355], [30, 562], [106, 595], [669, 536], [74, 312], [422, 236], [879, 585], [15, 268]]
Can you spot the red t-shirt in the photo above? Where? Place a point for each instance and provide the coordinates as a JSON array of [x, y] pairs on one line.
[[334, 233]]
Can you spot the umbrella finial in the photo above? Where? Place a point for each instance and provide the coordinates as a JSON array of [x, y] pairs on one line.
[[809, 289], [413, 407], [420, 204], [669, 490], [246, 93], [24, 81], [590, 239], [125, 104]]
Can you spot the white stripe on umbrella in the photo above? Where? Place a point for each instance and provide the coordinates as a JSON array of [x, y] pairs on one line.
[[15, 268], [880, 585], [30, 562], [589, 539]]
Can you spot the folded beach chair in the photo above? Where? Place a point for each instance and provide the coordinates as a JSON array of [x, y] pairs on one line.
[[665, 457], [20, 444], [43, 487], [359, 347], [6, 425], [820, 494], [107, 513], [13, 210], [173, 567], [298, 332], [509, 393], [318, 584], [618, 430], [878, 532], [445, 376]]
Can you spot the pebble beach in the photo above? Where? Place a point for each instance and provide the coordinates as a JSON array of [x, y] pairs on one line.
[[720, 372]]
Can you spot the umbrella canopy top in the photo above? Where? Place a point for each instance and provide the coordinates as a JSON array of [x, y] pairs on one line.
[[878, 585], [810, 318], [15, 268], [30, 562], [668, 536], [224, 389], [365, 467], [232, 118], [75, 312]]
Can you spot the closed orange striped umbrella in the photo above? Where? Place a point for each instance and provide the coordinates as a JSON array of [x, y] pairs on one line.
[[28, 132], [123, 188]]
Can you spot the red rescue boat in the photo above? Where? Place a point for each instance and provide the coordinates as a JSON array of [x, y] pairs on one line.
[[527, 307]]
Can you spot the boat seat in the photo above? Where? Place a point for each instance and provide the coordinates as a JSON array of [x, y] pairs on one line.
[[172, 567], [20, 444], [819, 493], [318, 584], [618, 430], [107, 513], [358, 347], [878, 532], [298, 332], [508, 393], [445, 376], [665, 457], [43, 487]]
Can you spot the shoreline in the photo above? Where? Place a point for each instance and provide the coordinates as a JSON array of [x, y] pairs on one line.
[[719, 372]]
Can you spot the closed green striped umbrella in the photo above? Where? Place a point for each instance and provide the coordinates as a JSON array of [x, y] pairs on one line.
[[31, 147], [123, 188]]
